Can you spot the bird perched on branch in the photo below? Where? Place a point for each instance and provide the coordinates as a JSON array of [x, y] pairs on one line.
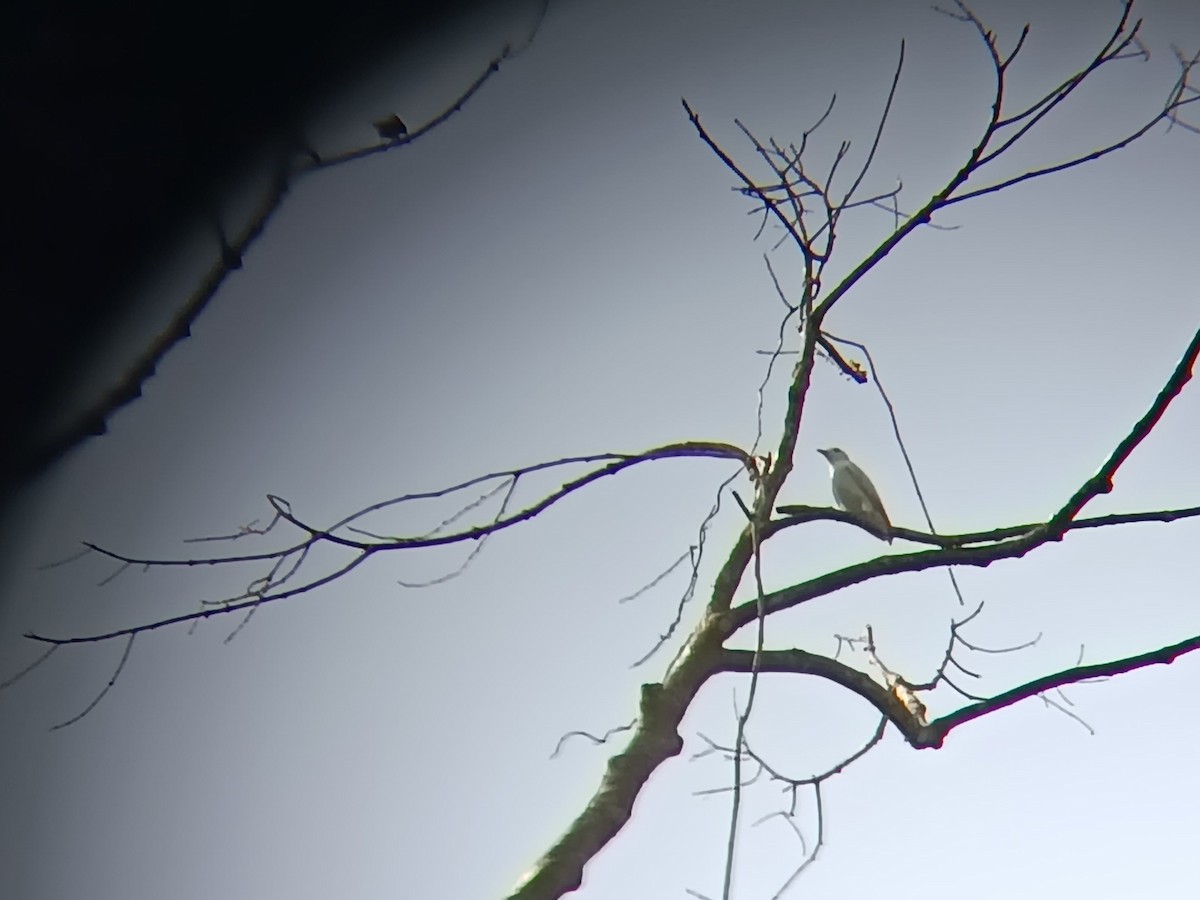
[[391, 128], [853, 492]]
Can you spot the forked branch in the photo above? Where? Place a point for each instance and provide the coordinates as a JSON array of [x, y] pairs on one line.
[[286, 564]]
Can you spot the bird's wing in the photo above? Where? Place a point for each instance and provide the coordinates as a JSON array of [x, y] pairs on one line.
[[865, 491]]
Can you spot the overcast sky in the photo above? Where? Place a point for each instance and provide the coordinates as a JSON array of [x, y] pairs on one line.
[[562, 269]]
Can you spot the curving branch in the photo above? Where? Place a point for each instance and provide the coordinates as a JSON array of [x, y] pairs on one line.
[[286, 563], [798, 514]]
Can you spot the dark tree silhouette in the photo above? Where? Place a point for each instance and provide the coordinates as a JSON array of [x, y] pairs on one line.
[[254, 102]]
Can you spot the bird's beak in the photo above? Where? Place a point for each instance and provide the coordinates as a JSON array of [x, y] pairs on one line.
[[824, 453]]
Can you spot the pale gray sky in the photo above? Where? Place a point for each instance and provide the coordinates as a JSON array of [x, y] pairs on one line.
[[562, 269]]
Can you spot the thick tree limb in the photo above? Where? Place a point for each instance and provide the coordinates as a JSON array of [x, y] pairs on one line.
[[932, 736], [655, 740]]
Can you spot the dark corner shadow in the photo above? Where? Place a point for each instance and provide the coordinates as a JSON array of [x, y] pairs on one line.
[[120, 119]]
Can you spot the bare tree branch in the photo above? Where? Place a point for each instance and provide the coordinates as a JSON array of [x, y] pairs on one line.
[[259, 591], [103, 692]]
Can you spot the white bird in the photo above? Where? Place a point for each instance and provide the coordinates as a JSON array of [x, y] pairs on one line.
[[853, 492]]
